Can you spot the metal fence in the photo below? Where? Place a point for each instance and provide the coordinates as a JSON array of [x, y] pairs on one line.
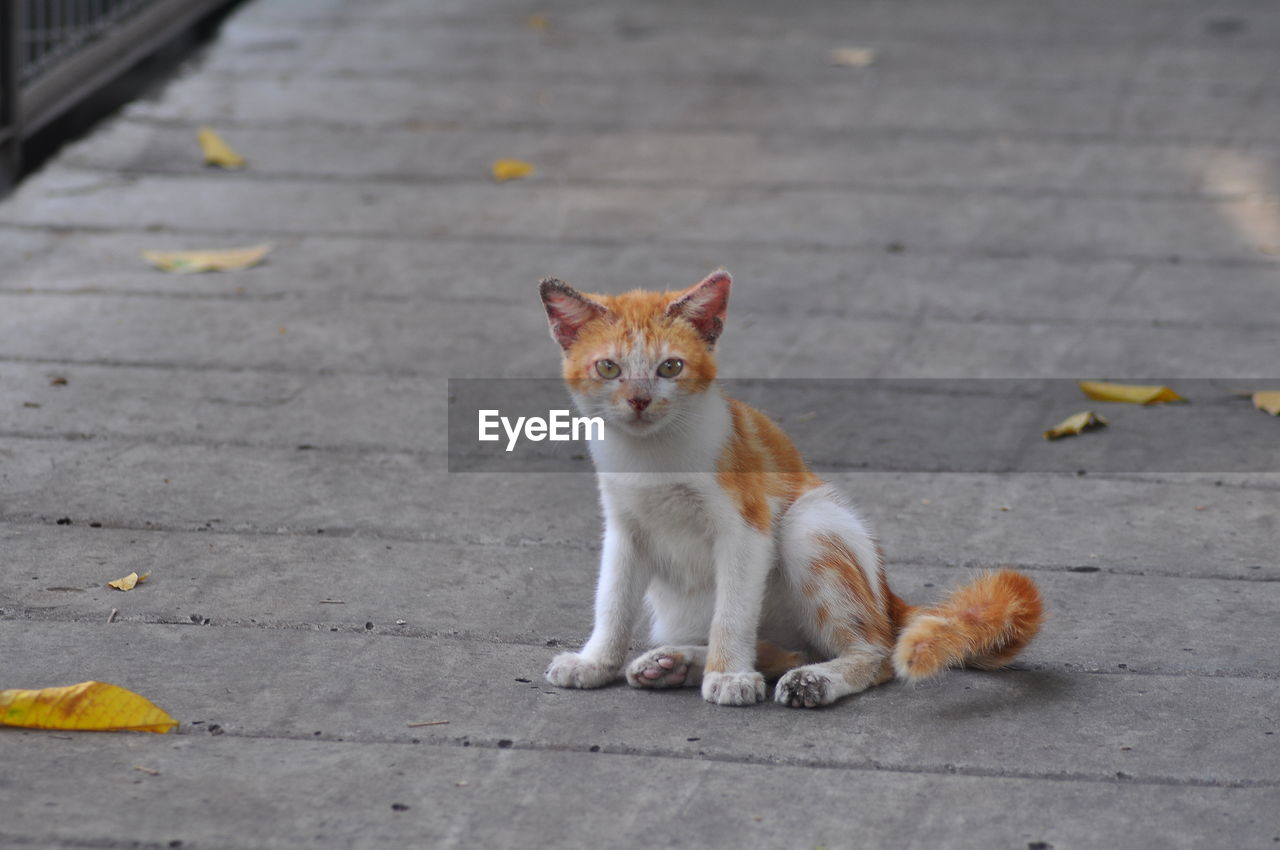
[[53, 29], [55, 53]]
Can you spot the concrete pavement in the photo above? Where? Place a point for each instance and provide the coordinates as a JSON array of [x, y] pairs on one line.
[[1082, 189]]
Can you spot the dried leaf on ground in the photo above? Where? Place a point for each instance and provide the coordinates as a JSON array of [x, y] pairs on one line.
[[538, 22], [1268, 401], [96, 706], [216, 151], [511, 169], [853, 57], [1076, 424], [129, 582], [1128, 393], [193, 262]]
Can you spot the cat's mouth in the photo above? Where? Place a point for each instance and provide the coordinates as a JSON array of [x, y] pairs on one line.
[[641, 422]]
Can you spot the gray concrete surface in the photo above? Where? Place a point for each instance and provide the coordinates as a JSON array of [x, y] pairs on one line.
[[1068, 189]]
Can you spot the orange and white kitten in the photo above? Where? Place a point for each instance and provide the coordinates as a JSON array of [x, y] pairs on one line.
[[750, 564]]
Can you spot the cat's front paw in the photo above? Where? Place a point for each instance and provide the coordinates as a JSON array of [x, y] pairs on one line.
[[733, 688], [803, 688], [572, 670]]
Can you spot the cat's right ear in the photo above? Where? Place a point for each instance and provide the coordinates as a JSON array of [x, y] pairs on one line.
[[568, 310]]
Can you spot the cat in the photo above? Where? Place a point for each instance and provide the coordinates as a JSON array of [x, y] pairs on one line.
[[750, 565]]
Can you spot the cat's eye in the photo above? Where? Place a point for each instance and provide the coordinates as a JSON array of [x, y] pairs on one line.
[[608, 369], [670, 367]]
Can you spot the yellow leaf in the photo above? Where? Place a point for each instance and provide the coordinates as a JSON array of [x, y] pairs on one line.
[[1268, 401], [538, 22], [853, 57], [511, 169], [193, 262], [218, 152], [89, 705], [1130, 393], [1077, 424], [129, 582]]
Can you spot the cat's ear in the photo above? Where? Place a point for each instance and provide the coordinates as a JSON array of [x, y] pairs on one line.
[[567, 310], [704, 305]]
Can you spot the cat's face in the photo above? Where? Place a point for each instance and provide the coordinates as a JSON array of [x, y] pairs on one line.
[[637, 359]]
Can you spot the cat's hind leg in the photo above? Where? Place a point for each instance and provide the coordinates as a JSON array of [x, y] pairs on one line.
[[812, 685], [832, 568]]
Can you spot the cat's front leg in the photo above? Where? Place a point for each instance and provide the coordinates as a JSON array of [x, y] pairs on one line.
[[619, 598], [742, 561]]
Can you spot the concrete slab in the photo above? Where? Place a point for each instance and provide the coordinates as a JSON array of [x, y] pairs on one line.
[[517, 102], [453, 796], [868, 283], [388, 683], [972, 21], [1100, 622], [572, 42], [1195, 528], [786, 218], [719, 158]]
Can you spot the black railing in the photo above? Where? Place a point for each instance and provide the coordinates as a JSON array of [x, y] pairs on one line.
[[55, 53]]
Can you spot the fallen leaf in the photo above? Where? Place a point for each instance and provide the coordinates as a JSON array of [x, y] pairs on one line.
[[129, 582], [538, 22], [94, 706], [57, 381], [853, 57], [511, 169], [193, 262], [1268, 401], [1129, 393], [218, 152], [1077, 424]]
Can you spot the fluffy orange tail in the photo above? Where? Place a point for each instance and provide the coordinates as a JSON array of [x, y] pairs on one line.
[[982, 624]]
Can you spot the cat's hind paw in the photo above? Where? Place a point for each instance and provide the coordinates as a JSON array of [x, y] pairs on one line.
[[803, 688], [665, 667], [733, 688], [572, 670]]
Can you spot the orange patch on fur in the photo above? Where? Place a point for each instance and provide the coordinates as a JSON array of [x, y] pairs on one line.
[[761, 463], [772, 660], [840, 562]]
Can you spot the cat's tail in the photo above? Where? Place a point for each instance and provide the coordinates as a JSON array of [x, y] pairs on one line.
[[984, 624]]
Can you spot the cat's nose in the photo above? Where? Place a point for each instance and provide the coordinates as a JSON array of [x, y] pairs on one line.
[[639, 403]]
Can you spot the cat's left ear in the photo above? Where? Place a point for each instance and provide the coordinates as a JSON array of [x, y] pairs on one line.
[[704, 305]]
